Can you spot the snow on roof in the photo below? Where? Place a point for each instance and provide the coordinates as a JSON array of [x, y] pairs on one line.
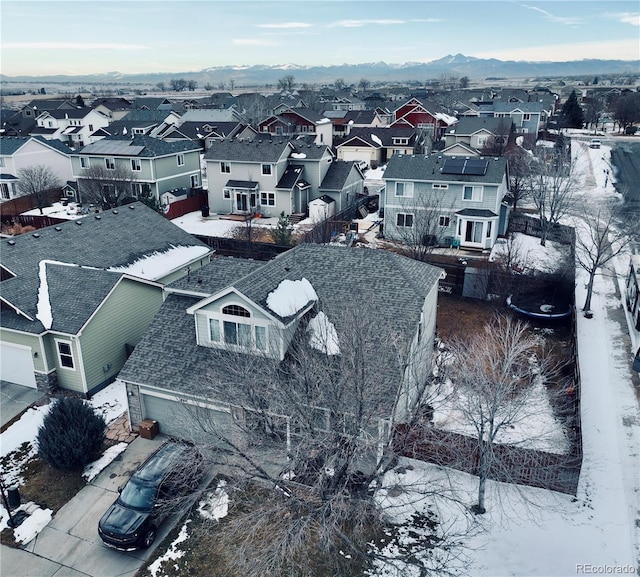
[[446, 118], [45, 314], [324, 337], [159, 264], [323, 121], [291, 296], [298, 155], [376, 139]]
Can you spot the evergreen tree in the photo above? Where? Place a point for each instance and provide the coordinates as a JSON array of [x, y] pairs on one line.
[[79, 101], [71, 434], [572, 113], [281, 234]]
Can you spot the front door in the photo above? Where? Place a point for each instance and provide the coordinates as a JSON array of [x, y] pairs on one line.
[[246, 202]]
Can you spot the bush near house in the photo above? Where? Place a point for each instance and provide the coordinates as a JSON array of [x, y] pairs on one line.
[[71, 435]]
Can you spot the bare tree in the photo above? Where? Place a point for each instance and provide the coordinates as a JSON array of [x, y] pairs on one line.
[[431, 217], [552, 185], [497, 378], [497, 143], [286, 82], [519, 169], [364, 84], [324, 406], [626, 109], [106, 188], [37, 181], [598, 241]]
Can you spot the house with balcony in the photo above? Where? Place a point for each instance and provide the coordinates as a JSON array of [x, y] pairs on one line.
[[275, 176], [17, 153], [464, 196], [155, 166]]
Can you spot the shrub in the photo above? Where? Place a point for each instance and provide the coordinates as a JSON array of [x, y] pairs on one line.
[[71, 435]]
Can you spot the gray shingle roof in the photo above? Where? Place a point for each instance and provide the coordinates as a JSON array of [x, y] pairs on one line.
[[248, 151], [468, 125], [337, 175], [220, 273], [392, 287], [117, 239], [427, 169], [139, 145], [9, 145]]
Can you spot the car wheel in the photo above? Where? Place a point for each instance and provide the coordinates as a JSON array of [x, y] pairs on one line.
[[150, 537]]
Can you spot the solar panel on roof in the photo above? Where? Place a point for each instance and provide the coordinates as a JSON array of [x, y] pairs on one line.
[[476, 166], [114, 147], [453, 166]]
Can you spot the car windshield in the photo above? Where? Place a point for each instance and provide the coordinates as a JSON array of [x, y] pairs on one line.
[[137, 495]]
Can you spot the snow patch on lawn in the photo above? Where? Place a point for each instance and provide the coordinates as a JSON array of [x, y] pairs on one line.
[[172, 554], [32, 525], [92, 470], [215, 504]]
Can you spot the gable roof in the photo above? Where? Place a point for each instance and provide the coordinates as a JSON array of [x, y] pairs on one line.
[[380, 136], [392, 285], [249, 151], [140, 145], [469, 125], [9, 145], [337, 175]]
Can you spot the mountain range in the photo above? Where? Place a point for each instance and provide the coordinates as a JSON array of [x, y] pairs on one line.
[[450, 65]]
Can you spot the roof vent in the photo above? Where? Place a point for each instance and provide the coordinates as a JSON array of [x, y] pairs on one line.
[[58, 228], [36, 235], [98, 217], [78, 222], [115, 211], [11, 242], [131, 207]]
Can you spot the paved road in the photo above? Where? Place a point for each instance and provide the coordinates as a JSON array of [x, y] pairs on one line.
[[70, 546]]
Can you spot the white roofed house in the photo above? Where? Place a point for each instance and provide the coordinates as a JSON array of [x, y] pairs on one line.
[[76, 127], [76, 297]]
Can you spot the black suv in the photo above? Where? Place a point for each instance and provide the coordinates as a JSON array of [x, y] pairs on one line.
[[152, 492]]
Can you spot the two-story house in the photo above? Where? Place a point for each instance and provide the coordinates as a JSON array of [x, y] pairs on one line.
[[527, 117], [375, 145], [155, 166], [17, 153], [466, 192], [76, 297], [472, 134], [259, 311], [294, 122], [424, 116], [275, 176], [75, 127]]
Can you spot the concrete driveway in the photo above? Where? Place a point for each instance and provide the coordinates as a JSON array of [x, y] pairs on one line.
[[14, 399], [70, 546]]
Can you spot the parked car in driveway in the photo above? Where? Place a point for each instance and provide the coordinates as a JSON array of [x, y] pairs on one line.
[[595, 143], [157, 487]]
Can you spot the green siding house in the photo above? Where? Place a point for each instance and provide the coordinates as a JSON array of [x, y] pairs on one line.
[[77, 297]]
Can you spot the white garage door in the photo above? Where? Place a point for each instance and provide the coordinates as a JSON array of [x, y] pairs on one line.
[[16, 365]]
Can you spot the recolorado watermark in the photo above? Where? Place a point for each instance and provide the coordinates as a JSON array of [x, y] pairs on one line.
[[587, 569]]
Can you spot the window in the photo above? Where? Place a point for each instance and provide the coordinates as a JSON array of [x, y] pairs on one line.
[[404, 220], [91, 128], [180, 159], [225, 167], [136, 164], [110, 163], [261, 338], [266, 169], [226, 193], [2, 163], [404, 189], [195, 180], [398, 141], [137, 131], [236, 333], [236, 311], [472, 193], [489, 229], [84, 162], [4, 191], [65, 355], [214, 330], [482, 140], [268, 198], [438, 186], [444, 221], [526, 116]]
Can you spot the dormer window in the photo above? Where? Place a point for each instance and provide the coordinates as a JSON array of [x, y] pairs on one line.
[[237, 332], [236, 310]]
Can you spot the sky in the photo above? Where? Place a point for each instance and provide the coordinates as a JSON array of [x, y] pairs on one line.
[[88, 36]]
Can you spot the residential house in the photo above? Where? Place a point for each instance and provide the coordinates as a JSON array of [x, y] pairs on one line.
[[17, 153], [23, 122], [527, 117], [157, 166], [471, 134], [275, 176], [152, 103], [77, 297], [424, 116], [295, 122], [376, 145], [467, 193], [143, 122], [113, 108], [75, 127], [234, 305], [344, 121], [207, 132]]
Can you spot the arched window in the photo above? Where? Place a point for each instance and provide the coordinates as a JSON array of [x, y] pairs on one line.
[[236, 311]]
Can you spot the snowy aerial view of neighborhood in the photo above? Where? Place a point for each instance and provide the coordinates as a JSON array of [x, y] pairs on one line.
[[326, 289]]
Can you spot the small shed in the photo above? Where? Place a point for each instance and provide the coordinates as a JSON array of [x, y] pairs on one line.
[[322, 208]]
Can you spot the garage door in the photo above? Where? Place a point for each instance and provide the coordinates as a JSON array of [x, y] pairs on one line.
[[178, 420], [16, 365]]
